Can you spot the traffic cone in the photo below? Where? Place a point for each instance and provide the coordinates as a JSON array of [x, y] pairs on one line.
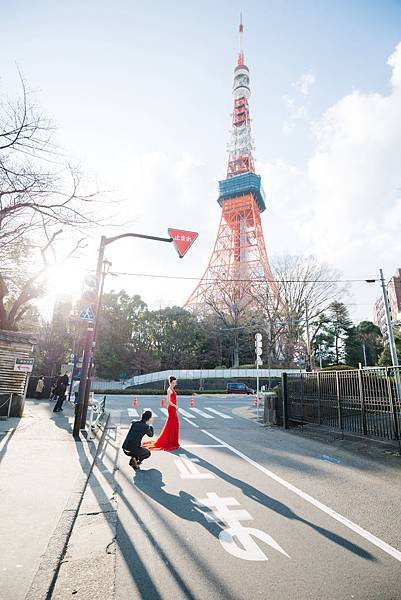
[[163, 402], [136, 402], [192, 402], [255, 402]]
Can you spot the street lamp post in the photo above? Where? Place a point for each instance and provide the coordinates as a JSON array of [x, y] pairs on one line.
[[105, 269], [84, 386]]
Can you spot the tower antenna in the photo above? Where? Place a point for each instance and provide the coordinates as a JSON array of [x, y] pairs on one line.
[[241, 50]]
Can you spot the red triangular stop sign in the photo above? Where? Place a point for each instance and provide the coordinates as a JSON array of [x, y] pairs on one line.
[[182, 240]]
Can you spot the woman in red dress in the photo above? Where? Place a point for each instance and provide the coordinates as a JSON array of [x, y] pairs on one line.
[[168, 439]]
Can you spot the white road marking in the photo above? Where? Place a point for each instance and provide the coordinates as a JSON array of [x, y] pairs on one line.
[[190, 422], [216, 412], [164, 411], [202, 446], [186, 414], [326, 509], [248, 548], [132, 412], [188, 469], [201, 413]]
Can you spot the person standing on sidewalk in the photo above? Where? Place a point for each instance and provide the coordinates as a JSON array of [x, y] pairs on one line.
[[61, 388], [40, 386], [53, 395]]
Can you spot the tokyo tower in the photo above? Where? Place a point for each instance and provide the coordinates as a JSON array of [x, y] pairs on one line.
[[238, 271]]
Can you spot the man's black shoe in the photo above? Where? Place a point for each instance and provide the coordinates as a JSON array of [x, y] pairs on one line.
[[134, 463]]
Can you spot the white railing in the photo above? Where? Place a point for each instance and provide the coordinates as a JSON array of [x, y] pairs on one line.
[[190, 374]]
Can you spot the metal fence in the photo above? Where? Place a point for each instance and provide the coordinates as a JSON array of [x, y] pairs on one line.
[[365, 401]]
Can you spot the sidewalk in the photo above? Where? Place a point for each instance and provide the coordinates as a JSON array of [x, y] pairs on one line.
[[43, 472]]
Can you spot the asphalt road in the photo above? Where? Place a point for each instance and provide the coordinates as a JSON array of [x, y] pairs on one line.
[[241, 511]]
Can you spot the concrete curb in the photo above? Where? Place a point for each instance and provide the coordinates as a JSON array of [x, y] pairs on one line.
[[45, 577]]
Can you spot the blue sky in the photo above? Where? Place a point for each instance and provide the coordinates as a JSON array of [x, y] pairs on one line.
[[141, 93]]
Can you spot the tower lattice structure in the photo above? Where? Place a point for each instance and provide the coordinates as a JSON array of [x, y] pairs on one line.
[[238, 271]]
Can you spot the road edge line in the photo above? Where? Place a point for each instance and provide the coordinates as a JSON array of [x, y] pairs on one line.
[[390, 550]]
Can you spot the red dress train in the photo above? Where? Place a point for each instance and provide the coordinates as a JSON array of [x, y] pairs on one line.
[[168, 439]]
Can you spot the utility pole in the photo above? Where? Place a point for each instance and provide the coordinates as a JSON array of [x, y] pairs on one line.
[[393, 350], [309, 365], [104, 267], [364, 354]]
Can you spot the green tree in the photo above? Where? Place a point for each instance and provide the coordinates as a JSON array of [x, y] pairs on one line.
[[365, 335], [178, 338], [385, 356], [334, 332], [121, 332]]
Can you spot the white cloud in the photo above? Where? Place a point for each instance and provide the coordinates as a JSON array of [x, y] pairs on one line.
[[350, 190], [304, 83]]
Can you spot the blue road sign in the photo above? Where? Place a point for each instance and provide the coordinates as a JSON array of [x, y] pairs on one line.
[[87, 314]]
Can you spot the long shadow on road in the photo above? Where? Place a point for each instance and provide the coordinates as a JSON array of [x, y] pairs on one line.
[[136, 565], [280, 508]]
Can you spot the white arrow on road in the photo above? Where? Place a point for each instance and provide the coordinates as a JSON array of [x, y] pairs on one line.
[[188, 470]]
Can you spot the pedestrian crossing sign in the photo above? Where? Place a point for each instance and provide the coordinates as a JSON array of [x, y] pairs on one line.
[[87, 314]]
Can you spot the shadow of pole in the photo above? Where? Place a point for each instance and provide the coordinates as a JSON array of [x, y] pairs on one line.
[[280, 508], [134, 562]]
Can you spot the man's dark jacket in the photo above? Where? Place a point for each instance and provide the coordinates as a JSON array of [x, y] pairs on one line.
[[134, 437], [62, 384]]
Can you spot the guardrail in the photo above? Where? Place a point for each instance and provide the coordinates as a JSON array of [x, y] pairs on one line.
[[97, 412]]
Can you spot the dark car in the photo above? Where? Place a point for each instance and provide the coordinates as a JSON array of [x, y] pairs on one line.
[[239, 388]]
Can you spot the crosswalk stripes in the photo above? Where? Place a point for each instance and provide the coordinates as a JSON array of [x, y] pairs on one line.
[[133, 413], [186, 414], [201, 413], [216, 412]]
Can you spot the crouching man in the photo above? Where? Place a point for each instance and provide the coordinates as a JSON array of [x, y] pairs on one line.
[[132, 445]]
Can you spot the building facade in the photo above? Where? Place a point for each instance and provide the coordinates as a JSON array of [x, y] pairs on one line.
[[394, 298]]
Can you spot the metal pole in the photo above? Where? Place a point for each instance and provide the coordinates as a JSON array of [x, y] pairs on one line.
[[89, 358], [82, 382], [91, 364], [364, 354], [393, 350], [339, 410], [74, 368], [284, 394], [257, 387], [309, 365]]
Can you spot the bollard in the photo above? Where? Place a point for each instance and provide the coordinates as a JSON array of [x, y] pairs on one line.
[[192, 402]]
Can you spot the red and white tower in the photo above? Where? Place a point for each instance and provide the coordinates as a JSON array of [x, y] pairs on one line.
[[238, 270]]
